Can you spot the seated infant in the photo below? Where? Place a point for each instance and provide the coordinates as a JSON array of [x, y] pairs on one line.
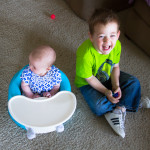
[[41, 77]]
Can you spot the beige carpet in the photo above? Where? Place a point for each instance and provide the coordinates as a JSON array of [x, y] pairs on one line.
[[26, 24]]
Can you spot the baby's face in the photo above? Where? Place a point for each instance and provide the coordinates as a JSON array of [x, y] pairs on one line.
[[37, 66], [105, 37]]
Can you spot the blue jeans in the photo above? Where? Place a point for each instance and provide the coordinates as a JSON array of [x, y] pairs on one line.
[[131, 95]]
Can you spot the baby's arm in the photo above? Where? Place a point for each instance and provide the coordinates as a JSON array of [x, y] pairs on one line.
[[96, 84], [52, 92], [27, 91], [55, 89]]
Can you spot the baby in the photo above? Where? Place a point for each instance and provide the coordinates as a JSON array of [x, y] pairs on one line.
[[41, 77]]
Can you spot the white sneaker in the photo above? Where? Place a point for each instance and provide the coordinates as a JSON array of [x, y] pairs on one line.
[[60, 128], [145, 102], [30, 134], [116, 121]]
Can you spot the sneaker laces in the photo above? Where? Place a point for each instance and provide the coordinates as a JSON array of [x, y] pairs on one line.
[[121, 117]]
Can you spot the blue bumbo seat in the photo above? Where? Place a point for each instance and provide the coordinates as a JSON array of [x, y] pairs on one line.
[[15, 87]]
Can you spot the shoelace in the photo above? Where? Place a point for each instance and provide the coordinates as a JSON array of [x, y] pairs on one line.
[[122, 119]]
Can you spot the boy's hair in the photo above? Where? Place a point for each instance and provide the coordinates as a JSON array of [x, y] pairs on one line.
[[102, 16]]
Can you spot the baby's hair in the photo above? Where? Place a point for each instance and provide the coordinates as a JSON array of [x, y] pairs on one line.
[[102, 16], [44, 51]]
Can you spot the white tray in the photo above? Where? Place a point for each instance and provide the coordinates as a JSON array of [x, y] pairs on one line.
[[45, 114]]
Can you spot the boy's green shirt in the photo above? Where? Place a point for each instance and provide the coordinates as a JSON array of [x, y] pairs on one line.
[[90, 62]]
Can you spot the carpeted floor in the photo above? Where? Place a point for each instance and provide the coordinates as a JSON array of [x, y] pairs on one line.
[[26, 24]]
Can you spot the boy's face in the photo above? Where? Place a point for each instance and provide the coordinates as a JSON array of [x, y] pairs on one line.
[[104, 37]]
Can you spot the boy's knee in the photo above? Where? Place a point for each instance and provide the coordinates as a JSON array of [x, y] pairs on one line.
[[102, 107], [99, 111], [135, 82]]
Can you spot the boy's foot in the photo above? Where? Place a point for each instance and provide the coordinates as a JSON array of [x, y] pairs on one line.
[[60, 128], [145, 102], [30, 134], [116, 120]]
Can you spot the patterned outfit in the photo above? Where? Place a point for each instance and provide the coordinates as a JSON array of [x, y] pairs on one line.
[[39, 84]]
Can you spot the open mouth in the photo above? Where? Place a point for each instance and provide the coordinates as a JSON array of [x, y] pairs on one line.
[[106, 48]]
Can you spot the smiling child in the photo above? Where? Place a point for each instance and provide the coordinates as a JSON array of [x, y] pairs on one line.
[[98, 75]]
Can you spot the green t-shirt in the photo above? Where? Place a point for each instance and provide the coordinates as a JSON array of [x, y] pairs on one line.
[[90, 62]]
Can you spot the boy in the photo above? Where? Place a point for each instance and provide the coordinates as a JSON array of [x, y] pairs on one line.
[[98, 75]]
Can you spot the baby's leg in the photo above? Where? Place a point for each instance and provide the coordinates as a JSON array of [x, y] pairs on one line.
[[47, 94], [60, 128], [30, 134]]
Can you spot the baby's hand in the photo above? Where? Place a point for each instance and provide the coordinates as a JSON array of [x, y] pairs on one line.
[[110, 97], [47, 94], [35, 96]]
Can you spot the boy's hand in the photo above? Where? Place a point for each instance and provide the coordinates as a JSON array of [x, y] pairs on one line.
[[117, 90], [47, 94], [110, 97]]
